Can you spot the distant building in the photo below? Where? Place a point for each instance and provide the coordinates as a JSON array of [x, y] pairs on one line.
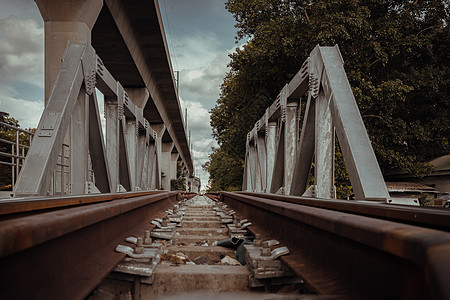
[[436, 185]]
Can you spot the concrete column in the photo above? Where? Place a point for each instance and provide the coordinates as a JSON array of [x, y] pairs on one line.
[[64, 21], [159, 129], [173, 165], [189, 183], [166, 160], [153, 166], [186, 175], [139, 96]]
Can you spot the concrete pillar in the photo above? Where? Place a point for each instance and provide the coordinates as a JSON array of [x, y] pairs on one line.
[[173, 165], [64, 21], [166, 161], [139, 96], [189, 183], [186, 175], [159, 129]]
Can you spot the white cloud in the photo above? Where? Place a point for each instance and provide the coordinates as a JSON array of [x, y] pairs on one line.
[[28, 113], [22, 50], [200, 88], [198, 116], [21, 69], [196, 50], [203, 65], [201, 139]]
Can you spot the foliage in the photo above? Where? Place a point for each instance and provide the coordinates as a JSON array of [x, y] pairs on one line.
[[342, 180], [178, 184], [396, 59], [225, 171], [425, 200]]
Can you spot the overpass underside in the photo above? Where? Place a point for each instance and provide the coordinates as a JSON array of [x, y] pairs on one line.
[[117, 48]]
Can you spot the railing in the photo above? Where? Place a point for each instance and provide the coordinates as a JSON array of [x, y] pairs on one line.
[[16, 157], [19, 152]]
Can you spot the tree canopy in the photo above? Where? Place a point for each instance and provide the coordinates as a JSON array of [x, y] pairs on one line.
[[396, 59]]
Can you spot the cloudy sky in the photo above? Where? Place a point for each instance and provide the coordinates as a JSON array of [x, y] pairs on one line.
[[200, 34]]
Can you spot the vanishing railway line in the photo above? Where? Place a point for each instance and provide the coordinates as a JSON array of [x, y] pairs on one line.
[[64, 248]]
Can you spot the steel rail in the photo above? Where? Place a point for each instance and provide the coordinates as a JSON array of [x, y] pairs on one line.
[[350, 255], [421, 216], [65, 253], [20, 205]]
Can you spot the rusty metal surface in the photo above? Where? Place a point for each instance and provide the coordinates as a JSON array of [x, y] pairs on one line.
[[65, 253], [188, 195], [422, 216], [20, 205], [213, 196], [338, 253]]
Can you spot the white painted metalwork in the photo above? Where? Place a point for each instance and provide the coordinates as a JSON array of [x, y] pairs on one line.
[[70, 138], [278, 161]]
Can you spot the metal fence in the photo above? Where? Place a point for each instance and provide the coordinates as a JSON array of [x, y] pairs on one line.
[[16, 157]]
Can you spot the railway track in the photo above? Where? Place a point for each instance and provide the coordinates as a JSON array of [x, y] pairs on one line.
[[63, 248]]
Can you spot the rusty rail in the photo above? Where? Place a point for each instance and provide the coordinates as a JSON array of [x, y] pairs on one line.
[[429, 217], [65, 252], [345, 254], [21, 205]]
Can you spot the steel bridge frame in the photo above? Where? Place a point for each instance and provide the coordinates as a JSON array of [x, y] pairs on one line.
[[130, 160], [278, 159]]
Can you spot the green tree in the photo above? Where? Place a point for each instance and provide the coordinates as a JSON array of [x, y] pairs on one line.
[[396, 59], [224, 170]]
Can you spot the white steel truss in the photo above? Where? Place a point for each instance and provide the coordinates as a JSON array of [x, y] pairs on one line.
[[278, 160], [70, 130]]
